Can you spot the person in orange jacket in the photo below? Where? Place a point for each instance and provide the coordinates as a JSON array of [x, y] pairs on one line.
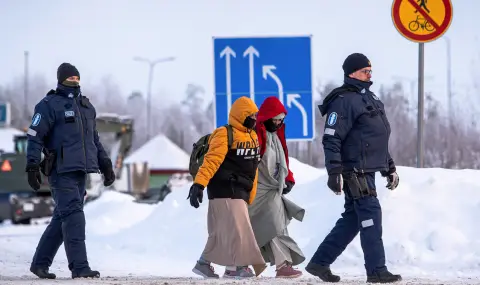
[[230, 176]]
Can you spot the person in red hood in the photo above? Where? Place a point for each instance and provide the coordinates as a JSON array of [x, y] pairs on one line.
[[271, 212]]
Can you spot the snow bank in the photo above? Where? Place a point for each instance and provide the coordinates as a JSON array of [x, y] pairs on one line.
[[114, 212], [428, 223], [429, 228], [304, 173]]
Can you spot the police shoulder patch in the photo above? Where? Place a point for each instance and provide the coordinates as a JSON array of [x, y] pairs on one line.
[[36, 119], [332, 118]]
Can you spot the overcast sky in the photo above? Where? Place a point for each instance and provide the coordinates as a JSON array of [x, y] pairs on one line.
[[101, 37]]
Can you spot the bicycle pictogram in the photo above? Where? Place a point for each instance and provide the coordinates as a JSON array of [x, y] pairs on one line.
[[420, 22]]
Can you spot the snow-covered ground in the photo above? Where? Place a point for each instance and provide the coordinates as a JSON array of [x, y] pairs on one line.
[[430, 233]]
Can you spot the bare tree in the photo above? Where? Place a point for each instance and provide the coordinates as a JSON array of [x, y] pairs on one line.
[[106, 96], [446, 145]]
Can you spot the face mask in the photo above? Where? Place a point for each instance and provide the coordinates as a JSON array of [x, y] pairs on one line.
[[270, 126], [249, 123], [71, 83]]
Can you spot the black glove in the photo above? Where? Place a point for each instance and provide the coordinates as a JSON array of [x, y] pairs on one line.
[[196, 195], [108, 177], [34, 177], [107, 170], [335, 180], [288, 188]]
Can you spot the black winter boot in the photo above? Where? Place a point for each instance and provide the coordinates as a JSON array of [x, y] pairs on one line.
[[322, 272], [42, 273], [86, 274], [383, 277]]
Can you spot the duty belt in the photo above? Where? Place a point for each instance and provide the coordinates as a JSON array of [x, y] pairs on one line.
[[357, 185]]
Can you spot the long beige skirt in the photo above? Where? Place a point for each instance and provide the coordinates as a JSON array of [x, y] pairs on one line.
[[231, 241]]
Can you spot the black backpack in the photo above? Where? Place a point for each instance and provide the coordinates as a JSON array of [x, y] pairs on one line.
[[200, 148]]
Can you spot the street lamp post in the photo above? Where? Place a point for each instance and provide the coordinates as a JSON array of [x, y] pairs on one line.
[[449, 94], [25, 87], [449, 82], [151, 64]]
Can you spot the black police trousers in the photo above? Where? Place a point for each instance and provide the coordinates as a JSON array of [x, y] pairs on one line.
[[67, 225], [362, 215]]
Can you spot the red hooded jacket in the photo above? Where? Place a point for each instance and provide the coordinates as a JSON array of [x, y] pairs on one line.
[[270, 108]]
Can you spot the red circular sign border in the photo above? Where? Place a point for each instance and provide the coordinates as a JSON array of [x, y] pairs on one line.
[[421, 38]]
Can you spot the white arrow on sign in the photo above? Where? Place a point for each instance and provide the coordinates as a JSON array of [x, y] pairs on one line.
[[292, 99], [268, 70], [227, 52], [251, 52]]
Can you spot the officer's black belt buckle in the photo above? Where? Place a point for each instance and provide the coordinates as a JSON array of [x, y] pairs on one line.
[[358, 186]]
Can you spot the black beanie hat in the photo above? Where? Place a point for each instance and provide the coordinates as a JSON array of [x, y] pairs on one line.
[[354, 62], [65, 70]]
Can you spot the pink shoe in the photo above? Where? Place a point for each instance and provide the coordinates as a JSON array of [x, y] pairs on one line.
[[287, 271], [241, 272]]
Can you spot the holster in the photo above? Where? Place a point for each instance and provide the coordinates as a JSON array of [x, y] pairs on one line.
[[357, 185], [46, 165]]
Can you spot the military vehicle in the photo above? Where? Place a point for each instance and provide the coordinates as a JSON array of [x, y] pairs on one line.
[[116, 135], [20, 204]]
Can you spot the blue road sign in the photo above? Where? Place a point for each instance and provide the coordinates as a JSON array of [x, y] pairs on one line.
[[266, 66], [4, 114]]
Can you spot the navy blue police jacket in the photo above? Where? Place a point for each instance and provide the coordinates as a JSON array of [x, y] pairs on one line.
[[356, 131], [64, 123]]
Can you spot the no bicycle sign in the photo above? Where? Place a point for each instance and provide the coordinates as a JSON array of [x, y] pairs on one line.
[[422, 20]]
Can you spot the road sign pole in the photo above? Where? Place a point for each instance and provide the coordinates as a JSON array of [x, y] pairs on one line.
[[408, 17], [420, 111]]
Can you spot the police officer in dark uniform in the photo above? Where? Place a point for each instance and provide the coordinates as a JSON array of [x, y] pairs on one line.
[[356, 147], [63, 127]]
